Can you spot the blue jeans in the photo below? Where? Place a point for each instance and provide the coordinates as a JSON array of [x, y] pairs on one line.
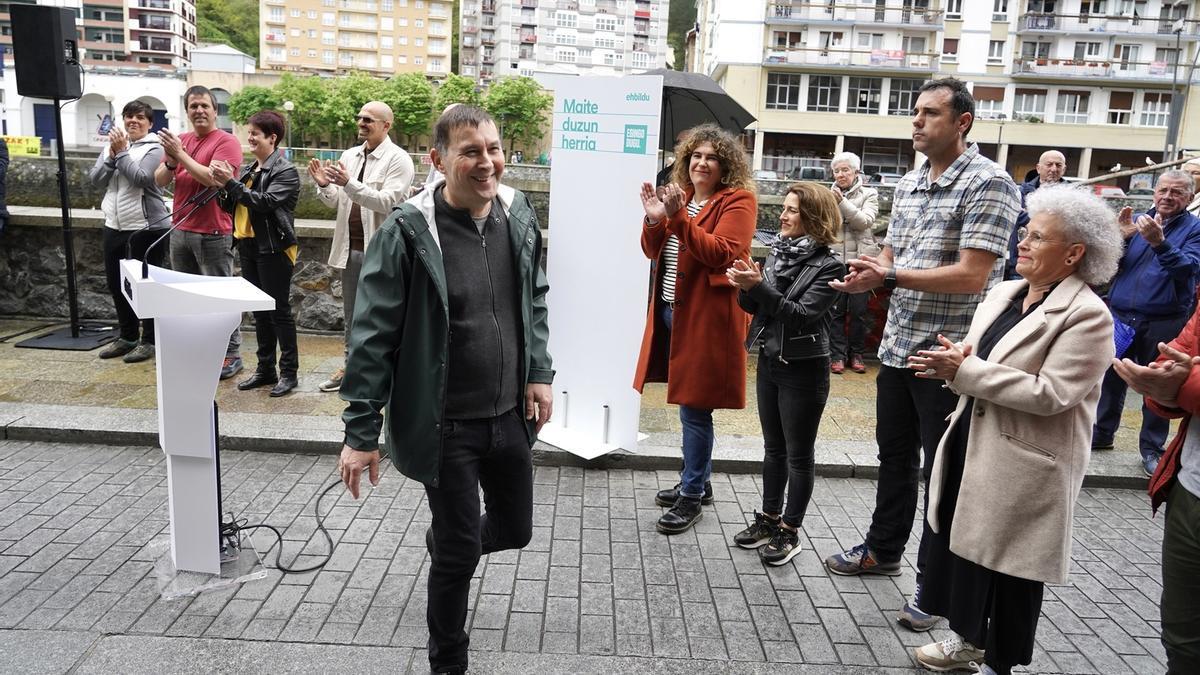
[[212, 256], [1144, 350], [697, 440]]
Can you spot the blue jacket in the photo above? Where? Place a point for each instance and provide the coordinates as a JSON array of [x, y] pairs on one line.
[[1159, 282], [1010, 265]]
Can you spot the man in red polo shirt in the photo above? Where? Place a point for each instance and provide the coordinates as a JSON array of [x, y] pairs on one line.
[[203, 243]]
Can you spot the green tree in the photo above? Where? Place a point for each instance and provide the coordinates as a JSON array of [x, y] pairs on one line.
[[346, 97], [411, 97], [680, 19], [455, 89], [308, 96], [250, 100], [520, 108], [230, 22]]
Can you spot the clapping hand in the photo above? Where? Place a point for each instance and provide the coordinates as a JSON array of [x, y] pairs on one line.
[[865, 274], [171, 144], [317, 171], [336, 172], [1125, 222], [1160, 380], [1150, 229], [941, 363], [118, 140], [661, 203], [221, 171], [744, 275]]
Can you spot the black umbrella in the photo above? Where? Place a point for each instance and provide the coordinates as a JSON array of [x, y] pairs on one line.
[[690, 99]]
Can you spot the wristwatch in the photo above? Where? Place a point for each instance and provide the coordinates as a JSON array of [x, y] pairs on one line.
[[889, 278]]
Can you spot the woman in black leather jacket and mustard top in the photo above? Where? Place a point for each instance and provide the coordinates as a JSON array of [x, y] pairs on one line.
[[262, 199], [791, 300]]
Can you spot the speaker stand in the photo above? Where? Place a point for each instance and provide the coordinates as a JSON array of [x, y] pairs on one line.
[[77, 339]]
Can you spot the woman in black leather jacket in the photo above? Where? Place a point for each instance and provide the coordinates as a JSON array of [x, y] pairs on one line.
[[791, 300], [262, 199]]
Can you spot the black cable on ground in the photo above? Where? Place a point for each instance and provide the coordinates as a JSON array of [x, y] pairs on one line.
[[231, 535]]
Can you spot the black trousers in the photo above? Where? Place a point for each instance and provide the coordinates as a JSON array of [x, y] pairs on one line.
[[791, 399], [114, 244], [1180, 606], [911, 416], [272, 272], [850, 319], [493, 454]]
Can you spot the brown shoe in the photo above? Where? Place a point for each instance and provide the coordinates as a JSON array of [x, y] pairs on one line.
[[837, 367], [857, 365]]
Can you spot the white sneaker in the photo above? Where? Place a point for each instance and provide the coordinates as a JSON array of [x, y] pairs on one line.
[[953, 653]]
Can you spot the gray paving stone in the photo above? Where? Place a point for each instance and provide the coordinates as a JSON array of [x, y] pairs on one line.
[[44, 652]]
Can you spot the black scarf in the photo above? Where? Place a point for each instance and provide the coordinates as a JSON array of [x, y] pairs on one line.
[[787, 254]]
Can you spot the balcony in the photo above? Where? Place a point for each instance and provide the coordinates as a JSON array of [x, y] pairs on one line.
[[160, 5], [488, 6], [154, 22], [528, 38], [641, 14], [569, 5], [275, 38], [470, 29], [1036, 22], [1151, 71], [850, 13], [875, 59], [488, 59], [529, 4], [641, 27], [154, 45]]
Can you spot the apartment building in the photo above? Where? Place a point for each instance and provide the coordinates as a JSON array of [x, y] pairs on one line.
[[331, 36], [561, 37], [157, 34], [1090, 77]]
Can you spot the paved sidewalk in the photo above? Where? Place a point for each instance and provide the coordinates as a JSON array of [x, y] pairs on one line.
[[596, 591], [76, 397]]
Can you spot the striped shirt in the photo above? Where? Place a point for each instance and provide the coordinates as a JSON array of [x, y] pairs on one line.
[[670, 256], [974, 205]]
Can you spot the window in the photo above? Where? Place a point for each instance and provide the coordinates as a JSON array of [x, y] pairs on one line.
[[276, 53], [902, 97], [277, 14], [641, 60], [1072, 107], [1127, 55], [419, 42], [783, 39], [312, 34], [1088, 50], [294, 51], [385, 41], [328, 19], [295, 13], [1156, 109], [567, 38], [989, 102], [1029, 103], [565, 19], [402, 59], [312, 53], [1035, 50], [402, 40], [607, 23], [830, 39], [402, 22], [954, 9], [565, 55], [419, 23], [870, 40], [995, 51], [605, 42], [386, 5], [327, 57], [295, 32], [824, 93], [783, 91], [950, 50], [1166, 55], [864, 95], [1120, 107], [418, 60], [999, 10], [312, 14], [327, 37]]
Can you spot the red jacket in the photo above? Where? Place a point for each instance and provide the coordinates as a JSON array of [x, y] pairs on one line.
[[704, 365], [1188, 401]]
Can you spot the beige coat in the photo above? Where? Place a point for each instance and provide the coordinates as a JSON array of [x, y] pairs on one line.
[[384, 186], [1030, 434], [859, 206]]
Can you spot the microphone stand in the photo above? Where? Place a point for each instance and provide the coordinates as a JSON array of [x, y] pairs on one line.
[[203, 197], [191, 200]]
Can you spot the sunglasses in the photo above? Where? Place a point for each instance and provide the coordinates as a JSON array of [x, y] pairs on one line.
[[364, 119]]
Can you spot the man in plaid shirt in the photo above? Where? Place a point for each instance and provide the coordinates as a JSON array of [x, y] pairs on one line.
[[945, 248]]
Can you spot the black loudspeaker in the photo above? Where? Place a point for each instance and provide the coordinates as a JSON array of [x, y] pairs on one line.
[[45, 52]]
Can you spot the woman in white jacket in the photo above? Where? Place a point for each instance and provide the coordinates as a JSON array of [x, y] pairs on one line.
[[858, 205], [134, 216]]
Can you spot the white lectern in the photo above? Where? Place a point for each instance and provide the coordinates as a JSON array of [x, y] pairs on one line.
[[193, 317]]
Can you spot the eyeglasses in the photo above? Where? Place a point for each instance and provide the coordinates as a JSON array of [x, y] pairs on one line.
[[364, 119], [1035, 238]]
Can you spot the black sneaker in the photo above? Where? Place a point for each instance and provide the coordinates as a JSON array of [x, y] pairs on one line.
[[681, 517], [143, 352], [759, 532], [667, 497], [117, 348], [783, 547]]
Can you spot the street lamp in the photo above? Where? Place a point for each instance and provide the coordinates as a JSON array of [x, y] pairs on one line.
[[1169, 149], [289, 107]]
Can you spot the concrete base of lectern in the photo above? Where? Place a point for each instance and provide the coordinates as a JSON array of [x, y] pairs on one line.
[[238, 566]]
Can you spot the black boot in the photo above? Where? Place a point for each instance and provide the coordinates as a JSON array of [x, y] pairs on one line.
[[667, 497], [681, 517], [285, 385]]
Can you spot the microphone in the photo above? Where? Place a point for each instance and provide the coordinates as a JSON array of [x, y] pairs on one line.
[[197, 201], [152, 223]]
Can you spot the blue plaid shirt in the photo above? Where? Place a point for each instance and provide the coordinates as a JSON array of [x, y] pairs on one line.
[[973, 204]]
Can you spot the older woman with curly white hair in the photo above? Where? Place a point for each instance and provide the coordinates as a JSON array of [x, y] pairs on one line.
[[1012, 460]]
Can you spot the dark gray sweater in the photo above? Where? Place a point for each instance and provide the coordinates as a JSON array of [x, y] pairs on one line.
[[485, 333]]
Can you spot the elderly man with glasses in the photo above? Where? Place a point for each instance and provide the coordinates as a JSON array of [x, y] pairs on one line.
[[1153, 293], [364, 185]]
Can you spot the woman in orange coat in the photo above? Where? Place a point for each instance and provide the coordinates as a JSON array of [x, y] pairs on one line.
[[694, 229]]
